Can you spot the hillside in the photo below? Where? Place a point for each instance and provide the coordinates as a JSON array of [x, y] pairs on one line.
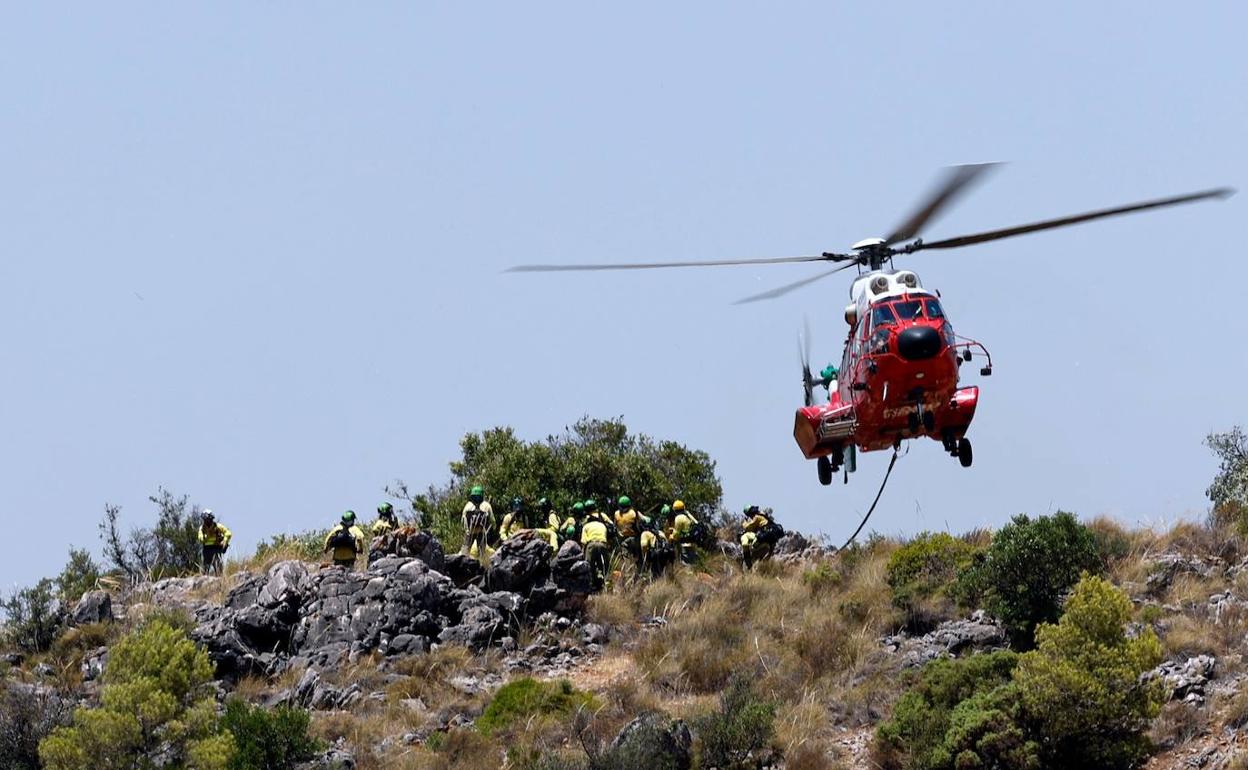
[[402, 667]]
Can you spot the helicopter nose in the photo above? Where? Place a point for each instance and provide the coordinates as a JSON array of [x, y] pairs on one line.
[[918, 343]]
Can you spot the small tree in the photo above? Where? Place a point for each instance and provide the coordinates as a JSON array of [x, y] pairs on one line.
[[268, 739], [27, 714], [1082, 687], [79, 575], [155, 710], [33, 617], [742, 724], [922, 573], [1229, 490], [169, 548], [593, 458], [1029, 566]]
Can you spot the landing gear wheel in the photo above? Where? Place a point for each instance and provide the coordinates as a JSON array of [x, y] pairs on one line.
[[929, 421], [912, 420], [965, 456], [825, 470]]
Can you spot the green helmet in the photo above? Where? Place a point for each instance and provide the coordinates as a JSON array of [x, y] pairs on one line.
[[517, 503], [578, 508], [750, 510], [477, 491], [591, 504], [625, 501], [666, 510], [828, 372], [348, 517], [544, 504], [385, 509]]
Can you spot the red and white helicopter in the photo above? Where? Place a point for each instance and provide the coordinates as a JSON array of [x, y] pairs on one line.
[[899, 374]]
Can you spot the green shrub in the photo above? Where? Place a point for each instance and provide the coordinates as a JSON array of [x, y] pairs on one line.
[[156, 709], [742, 724], [27, 715], [959, 714], [924, 569], [169, 548], [308, 545], [522, 698], [33, 617], [268, 739], [1029, 566], [79, 575], [1081, 687], [593, 458]]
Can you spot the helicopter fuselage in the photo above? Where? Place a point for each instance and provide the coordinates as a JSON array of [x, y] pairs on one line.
[[899, 374]]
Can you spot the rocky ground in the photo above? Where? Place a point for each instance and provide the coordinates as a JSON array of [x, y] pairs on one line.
[[299, 628]]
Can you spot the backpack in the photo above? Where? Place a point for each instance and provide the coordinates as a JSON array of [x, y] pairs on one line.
[[771, 533], [343, 538], [700, 534]]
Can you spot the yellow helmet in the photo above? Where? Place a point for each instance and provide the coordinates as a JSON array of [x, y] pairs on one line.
[[679, 505]]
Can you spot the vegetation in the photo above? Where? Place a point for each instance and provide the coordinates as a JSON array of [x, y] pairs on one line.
[[1078, 700], [1229, 490], [80, 574], [27, 715], [742, 724], [156, 709], [924, 572], [594, 458], [267, 739], [170, 548], [33, 617], [1029, 566], [526, 698]]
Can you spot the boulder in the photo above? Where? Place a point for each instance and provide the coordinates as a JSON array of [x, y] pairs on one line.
[[979, 633], [1168, 566], [412, 543], [654, 740], [570, 572], [521, 563], [464, 570], [1185, 680], [93, 607]]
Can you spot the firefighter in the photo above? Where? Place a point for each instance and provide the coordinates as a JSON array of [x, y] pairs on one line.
[[478, 518], [570, 527], [683, 531], [345, 540], [386, 521], [628, 526], [215, 539], [548, 514], [514, 522], [759, 533], [596, 542]]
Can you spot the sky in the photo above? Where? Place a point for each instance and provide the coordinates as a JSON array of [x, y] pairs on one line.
[[254, 252]]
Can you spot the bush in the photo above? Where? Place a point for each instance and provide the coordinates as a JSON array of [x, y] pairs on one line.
[[1081, 687], [27, 715], [959, 714], [526, 697], [1030, 565], [595, 458], [33, 617], [925, 569], [156, 709], [267, 739], [80, 574], [171, 548], [1230, 486], [743, 723]]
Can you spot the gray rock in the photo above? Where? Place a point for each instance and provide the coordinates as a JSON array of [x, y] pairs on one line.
[[464, 570], [93, 664], [1186, 679], [520, 563], [654, 739], [594, 633], [412, 543], [1168, 566], [954, 637], [93, 607], [333, 759]]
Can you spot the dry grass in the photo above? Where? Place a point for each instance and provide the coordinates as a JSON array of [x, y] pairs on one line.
[[1178, 723]]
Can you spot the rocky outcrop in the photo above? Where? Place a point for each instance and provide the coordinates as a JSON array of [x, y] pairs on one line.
[[655, 740], [409, 542], [794, 547], [954, 637], [298, 615], [520, 564], [93, 607], [1168, 566], [1186, 680]]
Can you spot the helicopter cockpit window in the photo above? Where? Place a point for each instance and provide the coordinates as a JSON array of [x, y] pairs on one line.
[[933, 308], [908, 310], [882, 315]]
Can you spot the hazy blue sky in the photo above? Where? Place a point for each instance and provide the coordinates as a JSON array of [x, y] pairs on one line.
[[253, 252]]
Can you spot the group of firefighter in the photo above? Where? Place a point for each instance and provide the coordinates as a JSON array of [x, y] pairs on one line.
[[653, 542]]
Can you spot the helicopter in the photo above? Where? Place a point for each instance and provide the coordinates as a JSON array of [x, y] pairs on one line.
[[899, 377]]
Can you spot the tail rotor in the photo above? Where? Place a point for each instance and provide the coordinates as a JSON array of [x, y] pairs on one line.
[[803, 353]]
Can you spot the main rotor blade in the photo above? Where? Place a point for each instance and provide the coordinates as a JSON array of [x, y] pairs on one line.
[[992, 235], [772, 294], [649, 265], [955, 181]]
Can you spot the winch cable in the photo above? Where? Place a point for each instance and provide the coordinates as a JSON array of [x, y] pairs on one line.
[[874, 502]]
